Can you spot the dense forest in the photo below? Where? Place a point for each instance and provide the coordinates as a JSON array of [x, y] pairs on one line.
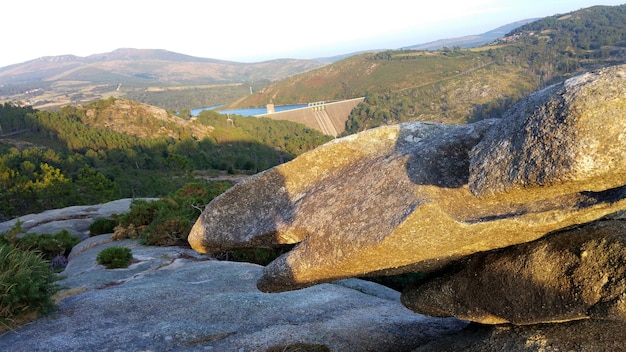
[[52, 159], [532, 56]]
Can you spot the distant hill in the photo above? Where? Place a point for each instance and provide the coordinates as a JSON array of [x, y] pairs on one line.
[[468, 41], [321, 84], [387, 72], [459, 85], [149, 66], [332, 59], [471, 41], [140, 120], [61, 80]]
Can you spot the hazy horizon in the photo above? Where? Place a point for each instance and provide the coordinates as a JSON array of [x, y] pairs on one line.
[[251, 31]]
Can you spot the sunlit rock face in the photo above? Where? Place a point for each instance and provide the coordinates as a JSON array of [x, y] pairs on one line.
[[418, 196], [570, 134]]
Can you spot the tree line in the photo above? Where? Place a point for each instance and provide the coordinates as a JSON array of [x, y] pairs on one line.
[[69, 162]]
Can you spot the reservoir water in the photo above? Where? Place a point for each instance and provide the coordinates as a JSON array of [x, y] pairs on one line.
[[248, 111]]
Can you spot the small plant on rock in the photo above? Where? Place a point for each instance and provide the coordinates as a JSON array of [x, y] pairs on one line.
[[50, 246], [101, 226], [115, 257]]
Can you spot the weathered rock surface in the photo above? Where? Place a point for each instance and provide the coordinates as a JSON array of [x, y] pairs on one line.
[[571, 135], [75, 220], [570, 275], [173, 299], [579, 336], [397, 198]]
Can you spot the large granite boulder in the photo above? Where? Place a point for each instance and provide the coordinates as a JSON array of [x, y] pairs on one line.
[[574, 274], [173, 299], [571, 135], [416, 196]]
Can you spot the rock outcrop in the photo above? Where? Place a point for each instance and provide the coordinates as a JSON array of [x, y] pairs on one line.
[[172, 299], [75, 219], [569, 136], [417, 196], [518, 222], [570, 275]]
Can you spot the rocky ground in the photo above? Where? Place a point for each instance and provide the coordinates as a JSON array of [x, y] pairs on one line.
[[174, 299]]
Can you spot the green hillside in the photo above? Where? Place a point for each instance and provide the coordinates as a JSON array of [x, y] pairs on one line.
[[117, 148], [460, 85], [355, 76]]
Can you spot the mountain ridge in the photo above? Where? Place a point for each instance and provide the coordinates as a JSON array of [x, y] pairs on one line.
[[146, 75], [153, 54], [470, 41], [166, 66], [24, 72], [167, 79]]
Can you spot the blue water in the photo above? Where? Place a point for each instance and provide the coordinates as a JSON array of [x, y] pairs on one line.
[[195, 112], [248, 111]]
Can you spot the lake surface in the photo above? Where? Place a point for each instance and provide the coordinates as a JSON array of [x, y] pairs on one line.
[[247, 111]]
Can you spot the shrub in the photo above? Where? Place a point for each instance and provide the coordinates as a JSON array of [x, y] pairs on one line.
[[101, 226], [115, 257], [167, 221], [26, 286], [50, 246], [168, 232], [142, 212], [261, 256]]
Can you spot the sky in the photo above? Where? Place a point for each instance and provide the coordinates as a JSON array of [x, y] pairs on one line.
[[253, 30]]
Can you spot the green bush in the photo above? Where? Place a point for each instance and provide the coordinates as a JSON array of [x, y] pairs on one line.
[[261, 256], [142, 212], [101, 226], [26, 286], [167, 221], [115, 257], [50, 246]]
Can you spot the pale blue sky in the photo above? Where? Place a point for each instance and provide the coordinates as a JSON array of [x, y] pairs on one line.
[[253, 30]]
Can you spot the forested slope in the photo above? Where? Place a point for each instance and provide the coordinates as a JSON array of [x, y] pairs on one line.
[[75, 156]]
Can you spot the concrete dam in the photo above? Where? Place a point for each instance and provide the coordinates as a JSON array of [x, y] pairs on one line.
[[327, 117]]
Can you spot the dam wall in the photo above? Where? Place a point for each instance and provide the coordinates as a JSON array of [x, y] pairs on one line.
[[327, 117]]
